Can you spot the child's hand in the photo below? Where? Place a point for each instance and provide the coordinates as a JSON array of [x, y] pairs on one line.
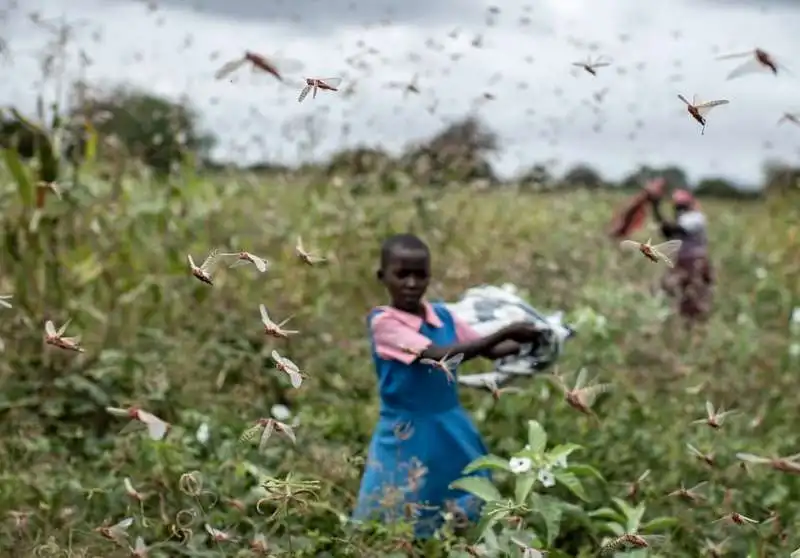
[[524, 332]]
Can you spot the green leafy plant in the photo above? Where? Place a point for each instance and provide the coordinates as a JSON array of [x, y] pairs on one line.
[[622, 519], [535, 470]]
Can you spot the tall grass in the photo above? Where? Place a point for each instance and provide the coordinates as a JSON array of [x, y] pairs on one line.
[[114, 262]]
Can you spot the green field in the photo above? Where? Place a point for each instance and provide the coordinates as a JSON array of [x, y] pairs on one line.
[[114, 262]]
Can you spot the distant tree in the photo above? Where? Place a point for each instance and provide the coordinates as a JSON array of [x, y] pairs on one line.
[[674, 176], [459, 152], [715, 187], [360, 161], [537, 177], [634, 180], [155, 129], [583, 176], [781, 179]]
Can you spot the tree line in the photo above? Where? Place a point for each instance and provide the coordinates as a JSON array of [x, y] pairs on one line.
[[160, 133]]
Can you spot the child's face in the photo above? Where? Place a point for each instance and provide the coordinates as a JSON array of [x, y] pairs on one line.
[[406, 277]]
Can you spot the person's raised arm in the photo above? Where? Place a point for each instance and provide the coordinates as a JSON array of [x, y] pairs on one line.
[[668, 229]]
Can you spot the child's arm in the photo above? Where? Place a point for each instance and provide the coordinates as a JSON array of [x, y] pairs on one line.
[[394, 340], [507, 347], [489, 346]]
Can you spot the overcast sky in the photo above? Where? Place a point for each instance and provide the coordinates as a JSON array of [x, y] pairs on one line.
[[542, 110]]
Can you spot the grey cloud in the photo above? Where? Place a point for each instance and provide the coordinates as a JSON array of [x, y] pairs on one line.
[[762, 4], [548, 119], [333, 13]]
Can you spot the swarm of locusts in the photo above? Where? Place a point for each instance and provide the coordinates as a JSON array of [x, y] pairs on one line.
[[280, 494], [581, 396]]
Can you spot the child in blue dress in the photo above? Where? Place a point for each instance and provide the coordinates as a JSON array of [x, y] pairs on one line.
[[424, 438]]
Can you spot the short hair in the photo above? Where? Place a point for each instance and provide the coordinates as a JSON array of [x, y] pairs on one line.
[[406, 241]]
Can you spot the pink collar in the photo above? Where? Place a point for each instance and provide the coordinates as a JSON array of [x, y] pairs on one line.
[[412, 321]]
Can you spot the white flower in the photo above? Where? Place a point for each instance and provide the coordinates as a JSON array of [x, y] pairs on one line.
[[761, 273], [519, 465], [546, 477], [280, 412], [202, 433], [560, 462]]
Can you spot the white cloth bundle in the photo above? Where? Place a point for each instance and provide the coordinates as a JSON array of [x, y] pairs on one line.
[[487, 309]]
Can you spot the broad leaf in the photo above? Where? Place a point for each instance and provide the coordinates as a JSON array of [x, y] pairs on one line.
[[491, 462], [606, 513], [488, 521], [659, 524], [581, 470], [90, 150], [562, 451], [613, 527], [478, 486], [571, 483], [523, 488], [633, 516], [549, 509], [21, 177], [537, 437]]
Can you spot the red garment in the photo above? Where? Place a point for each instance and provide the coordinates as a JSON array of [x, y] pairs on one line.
[[632, 217]]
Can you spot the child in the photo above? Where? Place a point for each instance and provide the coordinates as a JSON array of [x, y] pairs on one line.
[[424, 438]]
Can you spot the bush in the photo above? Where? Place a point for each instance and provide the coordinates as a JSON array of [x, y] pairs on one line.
[[458, 153], [158, 131]]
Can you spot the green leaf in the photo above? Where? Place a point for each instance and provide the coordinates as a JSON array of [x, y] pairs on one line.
[[478, 486], [489, 520], [571, 483], [581, 470], [490, 540], [90, 149], [491, 462], [20, 174], [537, 437], [511, 541], [88, 388], [549, 509], [623, 507], [613, 527], [633, 516], [523, 488], [659, 524], [562, 451], [606, 513]]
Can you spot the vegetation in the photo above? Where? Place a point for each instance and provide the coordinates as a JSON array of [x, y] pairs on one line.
[[110, 256]]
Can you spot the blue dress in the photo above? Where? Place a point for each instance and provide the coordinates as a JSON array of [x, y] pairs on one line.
[[421, 424]]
